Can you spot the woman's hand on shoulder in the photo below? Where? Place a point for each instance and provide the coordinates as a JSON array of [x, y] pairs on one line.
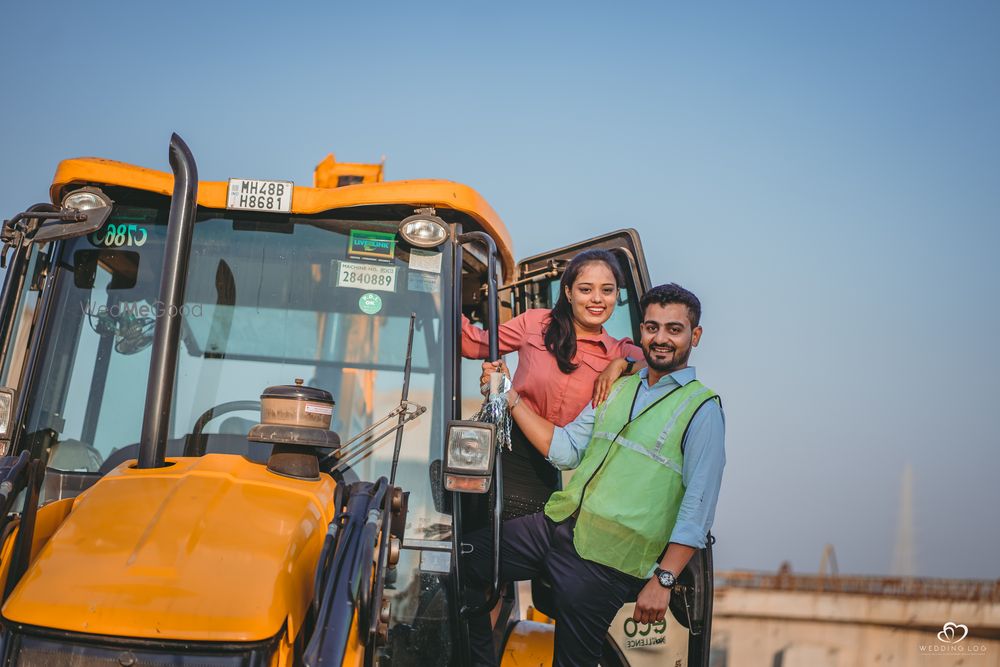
[[602, 387]]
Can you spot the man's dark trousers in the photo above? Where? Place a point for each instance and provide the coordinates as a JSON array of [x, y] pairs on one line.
[[587, 594]]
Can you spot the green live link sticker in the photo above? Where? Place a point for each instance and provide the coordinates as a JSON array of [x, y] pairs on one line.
[[370, 303], [372, 245]]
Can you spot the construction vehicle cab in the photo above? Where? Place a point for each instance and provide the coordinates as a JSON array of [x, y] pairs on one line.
[[155, 512]]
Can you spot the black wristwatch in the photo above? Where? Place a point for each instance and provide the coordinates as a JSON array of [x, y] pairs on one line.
[[666, 578], [629, 365]]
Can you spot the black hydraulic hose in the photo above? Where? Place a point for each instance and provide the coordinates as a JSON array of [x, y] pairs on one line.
[[363, 595], [348, 575], [329, 545], [382, 562], [365, 563], [166, 336]]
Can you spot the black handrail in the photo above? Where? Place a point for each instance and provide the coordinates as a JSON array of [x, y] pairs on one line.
[[166, 336], [492, 319], [493, 327], [194, 445], [25, 534]]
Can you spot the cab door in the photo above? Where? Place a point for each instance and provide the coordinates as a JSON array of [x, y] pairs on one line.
[[537, 281], [684, 637]]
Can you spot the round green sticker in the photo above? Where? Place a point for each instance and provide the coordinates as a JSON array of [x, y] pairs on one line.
[[370, 303]]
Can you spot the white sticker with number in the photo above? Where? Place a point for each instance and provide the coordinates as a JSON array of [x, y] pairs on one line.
[[248, 194], [366, 276]]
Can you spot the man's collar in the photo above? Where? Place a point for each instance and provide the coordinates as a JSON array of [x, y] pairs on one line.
[[681, 377]]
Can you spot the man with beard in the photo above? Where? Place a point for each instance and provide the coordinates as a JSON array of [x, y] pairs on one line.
[[648, 465]]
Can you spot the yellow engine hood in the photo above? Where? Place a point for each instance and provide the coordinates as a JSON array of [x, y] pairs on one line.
[[214, 548]]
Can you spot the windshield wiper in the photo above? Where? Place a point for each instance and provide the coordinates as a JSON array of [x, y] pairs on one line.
[[364, 442]]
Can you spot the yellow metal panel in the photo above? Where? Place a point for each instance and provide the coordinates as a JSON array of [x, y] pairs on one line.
[[529, 644], [306, 201], [47, 521], [328, 172], [285, 653], [214, 548]]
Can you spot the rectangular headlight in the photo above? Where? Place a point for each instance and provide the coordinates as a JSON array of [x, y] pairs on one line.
[[6, 412], [470, 448]]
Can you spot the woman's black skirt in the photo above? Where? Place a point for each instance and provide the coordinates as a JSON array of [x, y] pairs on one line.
[[528, 478]]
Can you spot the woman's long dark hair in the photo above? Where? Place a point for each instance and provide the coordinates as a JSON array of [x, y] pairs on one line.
[[560, 334]]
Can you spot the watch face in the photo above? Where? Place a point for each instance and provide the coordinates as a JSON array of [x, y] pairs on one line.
[[666, 579]]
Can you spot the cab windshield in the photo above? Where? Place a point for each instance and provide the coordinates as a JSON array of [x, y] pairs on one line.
[[268, 300]]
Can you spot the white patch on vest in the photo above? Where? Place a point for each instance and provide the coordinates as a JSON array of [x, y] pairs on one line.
[[615, 390], [656, 456], [674, 417]]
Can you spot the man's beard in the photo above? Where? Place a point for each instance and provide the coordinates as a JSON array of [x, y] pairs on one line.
[[666, 367]]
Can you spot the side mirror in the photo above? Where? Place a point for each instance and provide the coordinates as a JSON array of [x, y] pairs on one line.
[[469, 456], [83, 211], [56, 231]]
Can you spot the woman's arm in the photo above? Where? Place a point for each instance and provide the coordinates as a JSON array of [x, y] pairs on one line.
[[536, 428], [616, 369], [476, 341]]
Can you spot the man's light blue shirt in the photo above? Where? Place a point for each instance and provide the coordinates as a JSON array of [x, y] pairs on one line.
[[704, 454]]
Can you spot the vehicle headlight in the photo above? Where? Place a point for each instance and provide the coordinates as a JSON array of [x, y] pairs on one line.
[[6, 412], [469, 456], [86, 199], [423, 231]]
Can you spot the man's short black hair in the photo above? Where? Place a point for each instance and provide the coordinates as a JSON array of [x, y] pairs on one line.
[[672, 293]]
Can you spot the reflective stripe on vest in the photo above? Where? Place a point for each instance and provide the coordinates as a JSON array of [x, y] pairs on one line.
[[628, 489]]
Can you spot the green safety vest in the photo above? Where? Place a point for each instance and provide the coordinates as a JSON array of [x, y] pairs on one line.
[[630, 485]]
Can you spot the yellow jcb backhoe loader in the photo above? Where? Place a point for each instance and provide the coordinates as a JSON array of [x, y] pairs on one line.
[[231, 423]]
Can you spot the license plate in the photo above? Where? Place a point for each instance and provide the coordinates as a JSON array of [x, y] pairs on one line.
[[366, 276], [248, 194]]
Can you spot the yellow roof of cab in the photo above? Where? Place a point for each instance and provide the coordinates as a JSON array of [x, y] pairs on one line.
[[305, 200]]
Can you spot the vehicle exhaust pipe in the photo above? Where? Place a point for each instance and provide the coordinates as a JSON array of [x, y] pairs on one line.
[[166, 335]]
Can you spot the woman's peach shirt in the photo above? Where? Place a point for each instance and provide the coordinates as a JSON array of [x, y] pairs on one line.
[[557, 396]]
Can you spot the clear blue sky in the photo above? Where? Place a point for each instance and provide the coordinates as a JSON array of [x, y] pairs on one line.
[[826, 176]]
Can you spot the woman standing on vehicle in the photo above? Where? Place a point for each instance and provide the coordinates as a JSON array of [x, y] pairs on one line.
[[561, 353]]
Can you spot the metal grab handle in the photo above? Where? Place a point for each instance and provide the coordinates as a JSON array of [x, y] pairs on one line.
[[195, 448], [492, 318], [494, 594], [493, 327]]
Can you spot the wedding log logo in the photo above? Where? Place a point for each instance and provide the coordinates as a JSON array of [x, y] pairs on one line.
[[950, 641], [947, 634]]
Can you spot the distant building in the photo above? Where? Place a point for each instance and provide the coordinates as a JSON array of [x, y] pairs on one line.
[[794, 620]]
